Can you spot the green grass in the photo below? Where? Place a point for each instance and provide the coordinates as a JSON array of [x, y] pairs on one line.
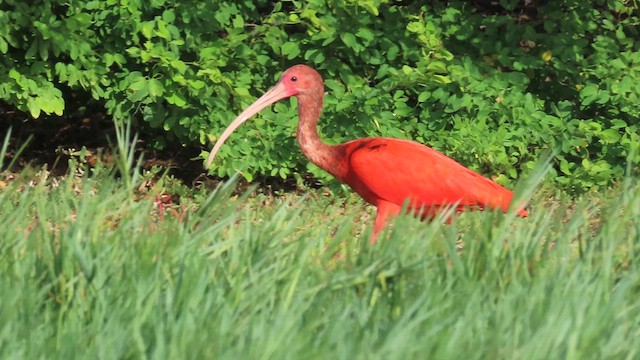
[[89, 268]]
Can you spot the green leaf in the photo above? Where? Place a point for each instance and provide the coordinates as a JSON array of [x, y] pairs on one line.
[[139, 94], [564, 167], [314, 55], [589, 90], [437, 66], [366, 34], [238, 22], [589, 94], [147, 29], [92, 5], [603, 97], [392, 52], [169, 16], [155, 88], [162, 31], [349, 39], [52, 102], [370, 7], [179, 65], [610, 135], [196, 84], [617, 124], [618, 64], [290, 50], [177, 100], [139, 84], [442, 79], [34, 108]]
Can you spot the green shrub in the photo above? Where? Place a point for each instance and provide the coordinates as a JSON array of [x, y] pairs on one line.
[[490, 85]]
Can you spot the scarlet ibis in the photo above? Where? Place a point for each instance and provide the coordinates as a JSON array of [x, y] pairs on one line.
[[385, 172]]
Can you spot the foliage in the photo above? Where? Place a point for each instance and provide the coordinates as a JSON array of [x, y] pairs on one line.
[[94, 267], [492, 85]]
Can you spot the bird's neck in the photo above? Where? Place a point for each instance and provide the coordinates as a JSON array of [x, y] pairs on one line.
[[323, 155]]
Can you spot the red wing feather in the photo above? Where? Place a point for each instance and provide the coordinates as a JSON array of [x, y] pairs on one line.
[[396, 170]]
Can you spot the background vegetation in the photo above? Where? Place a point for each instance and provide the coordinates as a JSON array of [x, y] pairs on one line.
[[491, 83]]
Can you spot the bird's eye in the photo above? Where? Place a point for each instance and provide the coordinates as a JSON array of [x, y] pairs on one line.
[[294, 79]]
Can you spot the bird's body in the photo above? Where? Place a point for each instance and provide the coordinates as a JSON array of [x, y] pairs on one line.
[[395, 170], [387, 173]]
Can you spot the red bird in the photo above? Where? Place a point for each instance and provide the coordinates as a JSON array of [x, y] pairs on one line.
[[385, 172]]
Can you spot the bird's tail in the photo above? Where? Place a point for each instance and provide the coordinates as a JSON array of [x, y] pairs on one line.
[[506, 201]]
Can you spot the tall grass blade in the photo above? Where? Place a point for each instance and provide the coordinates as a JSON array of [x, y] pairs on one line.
[[5, 147], [126, 162]]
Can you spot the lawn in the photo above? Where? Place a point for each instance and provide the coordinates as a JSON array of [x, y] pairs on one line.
[[101, 264]]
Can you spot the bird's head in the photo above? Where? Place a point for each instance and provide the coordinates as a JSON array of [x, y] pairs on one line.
[[301, 79], [298, 80]]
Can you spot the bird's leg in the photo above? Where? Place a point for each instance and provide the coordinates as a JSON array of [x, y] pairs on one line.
[[385, 210]]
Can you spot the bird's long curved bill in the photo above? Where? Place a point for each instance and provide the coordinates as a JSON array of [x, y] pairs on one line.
[[278, 92]]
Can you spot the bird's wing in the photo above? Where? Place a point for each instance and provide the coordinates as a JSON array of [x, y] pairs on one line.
[[396, 170]]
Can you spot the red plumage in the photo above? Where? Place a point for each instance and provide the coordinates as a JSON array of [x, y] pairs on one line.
[[385, 172], [389, 172]]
